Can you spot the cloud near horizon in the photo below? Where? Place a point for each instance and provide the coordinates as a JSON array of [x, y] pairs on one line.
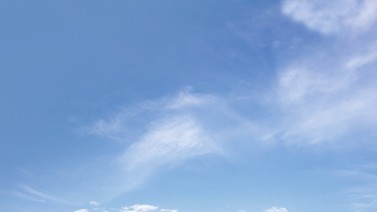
[[145, 208], [277, 209], [132, 208], [152, 208]]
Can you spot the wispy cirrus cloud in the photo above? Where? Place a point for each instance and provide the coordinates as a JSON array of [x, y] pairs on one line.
[[175, 129], [32, 194], [322, 103], [171, 139], [332, 94], [329, 92]]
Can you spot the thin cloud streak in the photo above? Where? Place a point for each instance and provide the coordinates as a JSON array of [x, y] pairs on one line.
[[363, 195], [29, 193]]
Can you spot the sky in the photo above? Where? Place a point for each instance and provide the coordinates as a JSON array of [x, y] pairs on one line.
[[188, 106]]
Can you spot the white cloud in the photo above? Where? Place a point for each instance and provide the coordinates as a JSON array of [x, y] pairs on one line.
[[317, 106], [171, 131], [82, 210], [94, 203], [329, 92], [186, 100], [140, 208], [277, 209], [133, 208], [167, 141], [365, 16], [330, 17], [323, 16], [298, 83], [361, 60], [145, 208], [172, 135]]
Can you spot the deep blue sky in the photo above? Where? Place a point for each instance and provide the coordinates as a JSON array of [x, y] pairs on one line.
[[189, 106]]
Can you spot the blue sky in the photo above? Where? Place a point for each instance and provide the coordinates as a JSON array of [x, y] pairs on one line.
[[188, 106]]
